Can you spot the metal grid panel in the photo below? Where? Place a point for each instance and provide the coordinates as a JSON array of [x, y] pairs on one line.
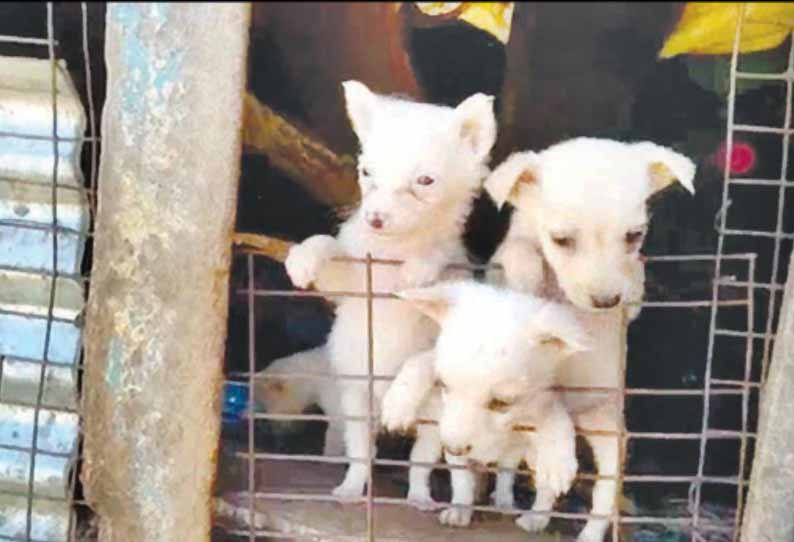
[[45, 287], [724, 387], [700, 527]]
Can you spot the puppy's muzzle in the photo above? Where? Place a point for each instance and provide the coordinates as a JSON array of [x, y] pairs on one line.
[[457, 451], [375, 220], [605, 302]]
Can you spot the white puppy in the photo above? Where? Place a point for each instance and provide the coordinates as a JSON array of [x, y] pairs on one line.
[[420, 168], [496, 356], [580, 220], [278, 393]]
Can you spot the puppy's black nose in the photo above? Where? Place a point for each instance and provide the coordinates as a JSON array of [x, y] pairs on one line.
[[605, 302], [457, 451]]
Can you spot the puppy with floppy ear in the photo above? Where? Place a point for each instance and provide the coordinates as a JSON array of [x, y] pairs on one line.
[[496, 356], [579, 223], [581, 208], [420, 168]]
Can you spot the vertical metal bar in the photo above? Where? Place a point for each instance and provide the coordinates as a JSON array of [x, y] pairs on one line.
[[92, 196], [781, 199], [717, 270], [53, 277], [251, 399], [370, 410], [622, 438], [748, 364]]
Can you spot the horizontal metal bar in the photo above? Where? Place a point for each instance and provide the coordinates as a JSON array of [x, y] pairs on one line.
[[754, 285], [28, 225], [50, 137], [664, 258], [38, 316], [762, 182], [384, 295], [702, 257], [671, 392], [784, 76], [633, 478], [28, 449], [739, 383], [756, 233], [761, 129], [22, 40], [308, 497], [44, 273]]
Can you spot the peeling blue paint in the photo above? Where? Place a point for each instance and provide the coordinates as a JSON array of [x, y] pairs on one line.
[[115, 363], [140, 59]]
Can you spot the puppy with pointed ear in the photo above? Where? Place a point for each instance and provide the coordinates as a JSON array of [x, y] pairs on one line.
[[420, 167], [474, 120], [552, 324], [496, 358], [361, 106]]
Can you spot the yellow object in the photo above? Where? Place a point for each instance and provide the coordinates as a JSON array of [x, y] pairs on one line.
[[493, 17], [709, 28]]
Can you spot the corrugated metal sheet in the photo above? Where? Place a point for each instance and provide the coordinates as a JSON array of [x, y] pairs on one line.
[[26, 244]]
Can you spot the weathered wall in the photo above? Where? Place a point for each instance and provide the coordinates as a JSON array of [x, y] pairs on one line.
[[156, 318], [770, 503]]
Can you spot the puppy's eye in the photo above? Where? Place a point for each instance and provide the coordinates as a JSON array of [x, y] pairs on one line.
[[499, 405], [634, 236], [441, 385], [425, 180], [564, 241]]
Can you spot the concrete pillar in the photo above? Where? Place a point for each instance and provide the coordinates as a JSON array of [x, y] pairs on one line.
[[156, 317], [768, 516]]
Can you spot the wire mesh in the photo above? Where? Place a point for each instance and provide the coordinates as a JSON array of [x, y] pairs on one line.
[[42, 522], [746, 387]]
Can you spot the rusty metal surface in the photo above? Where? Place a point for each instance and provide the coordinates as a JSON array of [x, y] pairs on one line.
[[156, 318], [770, 500]]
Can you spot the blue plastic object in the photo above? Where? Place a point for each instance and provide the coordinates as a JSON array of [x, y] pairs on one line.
[[235, 401]]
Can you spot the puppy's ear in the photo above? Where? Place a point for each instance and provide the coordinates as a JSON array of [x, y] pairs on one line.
[[557, 326], [477, 124], [666, 166], [520, 171], [360, 103], [433, 301]]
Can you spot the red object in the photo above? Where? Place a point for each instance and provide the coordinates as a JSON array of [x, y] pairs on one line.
[[742, 157]]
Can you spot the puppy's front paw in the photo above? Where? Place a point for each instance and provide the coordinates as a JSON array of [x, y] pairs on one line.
[[423, 501], [533, 523], [556, 471], [305, 260], [398, 412], [455, 517], [347, 492], [420, 272]]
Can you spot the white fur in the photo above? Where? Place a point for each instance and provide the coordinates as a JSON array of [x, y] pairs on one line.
[[593, 191], [279, 395], [422, 225], [493, 344]]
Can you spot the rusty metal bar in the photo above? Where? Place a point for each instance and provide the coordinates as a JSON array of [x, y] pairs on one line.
[[767, 517], [168, 185]]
